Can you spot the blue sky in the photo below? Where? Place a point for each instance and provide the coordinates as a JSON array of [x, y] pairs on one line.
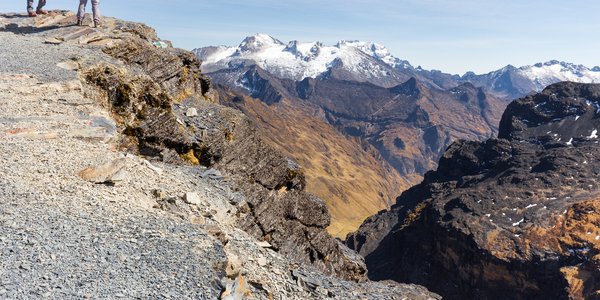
[[451, 35]]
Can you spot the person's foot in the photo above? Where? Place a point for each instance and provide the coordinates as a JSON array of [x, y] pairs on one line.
[[32, 14], [41, 11], [79, 22], [97, 24]]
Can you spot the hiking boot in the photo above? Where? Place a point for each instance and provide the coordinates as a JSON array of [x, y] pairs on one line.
[[32, 14], [79, 22], [97, 24], [41, 11]]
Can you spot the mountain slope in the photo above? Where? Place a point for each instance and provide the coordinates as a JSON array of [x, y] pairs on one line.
[[515, 217], [353, 181], [407, 115], [401, 126], [407, 125]]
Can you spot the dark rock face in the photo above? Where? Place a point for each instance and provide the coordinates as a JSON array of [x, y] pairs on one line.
[[509, 218], [150, 97]]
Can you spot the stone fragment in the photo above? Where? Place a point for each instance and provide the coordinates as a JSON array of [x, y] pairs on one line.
[[152, 167], [236, 290], [234, 266], [110, 172], [192, 198], [216, 232], [69, 65], [262, 261], [54, 41], [191, 112], [212, 174], [264, 244]]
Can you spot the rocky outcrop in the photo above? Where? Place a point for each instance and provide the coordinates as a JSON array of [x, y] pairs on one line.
[[152, 91], [152, 108], [509, 218]]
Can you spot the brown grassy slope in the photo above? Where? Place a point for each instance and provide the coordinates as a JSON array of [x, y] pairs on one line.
[[353, 183]]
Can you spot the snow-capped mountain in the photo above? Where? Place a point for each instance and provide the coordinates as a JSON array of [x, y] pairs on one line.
[[544, 74], [515, 82], [371, 62], [351, 60]]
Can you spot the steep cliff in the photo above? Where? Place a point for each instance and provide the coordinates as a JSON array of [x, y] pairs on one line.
[[508, 218]]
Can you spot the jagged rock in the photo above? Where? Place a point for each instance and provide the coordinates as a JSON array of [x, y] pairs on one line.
[[515, 217]]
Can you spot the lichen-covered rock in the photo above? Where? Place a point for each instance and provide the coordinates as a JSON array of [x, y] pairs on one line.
[[177, 70], [509, 218]]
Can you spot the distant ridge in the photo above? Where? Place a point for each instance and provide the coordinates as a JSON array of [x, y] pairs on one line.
[[372, 62]]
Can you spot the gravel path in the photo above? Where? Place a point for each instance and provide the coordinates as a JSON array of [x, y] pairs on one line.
[[29, 55]]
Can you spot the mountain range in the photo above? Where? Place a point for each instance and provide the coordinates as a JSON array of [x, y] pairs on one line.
[[372, 62], [125, 176], [375, 119]]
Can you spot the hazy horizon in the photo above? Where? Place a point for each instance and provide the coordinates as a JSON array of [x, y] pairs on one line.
[[454, 36]]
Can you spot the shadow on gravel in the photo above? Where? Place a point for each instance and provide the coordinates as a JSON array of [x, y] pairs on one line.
[[29, 29], [14, 16]]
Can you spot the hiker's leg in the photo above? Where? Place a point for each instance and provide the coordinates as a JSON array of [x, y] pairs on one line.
[[96, 11], [81, 10], [30, 6], [41, 3]]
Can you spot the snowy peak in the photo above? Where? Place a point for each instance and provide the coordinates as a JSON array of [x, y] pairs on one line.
[[561, 70], [513, 82], [376, 51], [258, 42], [373, 49], [298, 60]]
